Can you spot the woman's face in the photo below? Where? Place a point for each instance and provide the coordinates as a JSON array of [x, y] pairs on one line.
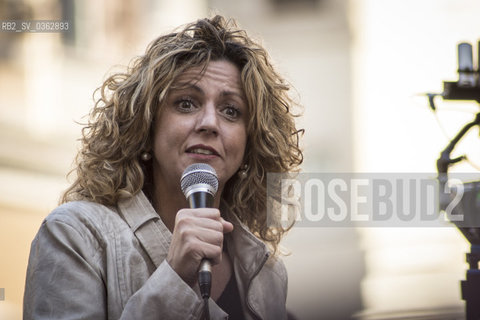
[[202, 120]]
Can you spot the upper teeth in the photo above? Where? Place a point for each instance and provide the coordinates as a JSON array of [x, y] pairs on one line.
[[201, 151]]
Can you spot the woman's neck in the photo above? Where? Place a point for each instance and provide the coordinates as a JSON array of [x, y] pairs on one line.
[[167, 203]]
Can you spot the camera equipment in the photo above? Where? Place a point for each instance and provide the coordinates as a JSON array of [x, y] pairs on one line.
[[466, 88]]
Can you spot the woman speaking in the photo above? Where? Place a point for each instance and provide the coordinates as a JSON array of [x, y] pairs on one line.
[[124, 243]]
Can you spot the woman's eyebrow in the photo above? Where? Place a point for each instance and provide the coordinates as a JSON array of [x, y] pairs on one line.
[[193, 86], [187, 86], [226, 93]]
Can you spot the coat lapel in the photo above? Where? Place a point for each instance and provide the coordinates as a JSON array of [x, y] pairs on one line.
[[147, 226], [248, 255]]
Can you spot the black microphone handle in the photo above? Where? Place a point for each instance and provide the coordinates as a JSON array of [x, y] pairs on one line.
[[202, 199]]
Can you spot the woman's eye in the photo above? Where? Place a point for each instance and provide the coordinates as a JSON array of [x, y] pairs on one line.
[[185, 104], [231, 112]]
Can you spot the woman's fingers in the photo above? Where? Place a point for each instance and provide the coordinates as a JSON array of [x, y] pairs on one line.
[[227, 226], [198, 234]]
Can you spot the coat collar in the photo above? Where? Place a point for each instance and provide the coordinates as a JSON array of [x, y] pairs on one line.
[[245, 248], [248, 255], [147, 226]]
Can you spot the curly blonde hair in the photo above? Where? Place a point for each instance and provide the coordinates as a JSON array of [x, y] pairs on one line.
[[108, 165]]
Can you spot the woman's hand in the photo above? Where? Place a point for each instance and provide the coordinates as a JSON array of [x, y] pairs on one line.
[[198, 234]]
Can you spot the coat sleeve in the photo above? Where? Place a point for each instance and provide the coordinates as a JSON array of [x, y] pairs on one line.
[[62, 282], [65, 280]]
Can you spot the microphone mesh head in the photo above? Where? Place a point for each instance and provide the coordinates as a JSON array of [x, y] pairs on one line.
[[199, 173]]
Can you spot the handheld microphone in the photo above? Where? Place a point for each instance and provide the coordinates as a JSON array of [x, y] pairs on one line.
[[199, 183]]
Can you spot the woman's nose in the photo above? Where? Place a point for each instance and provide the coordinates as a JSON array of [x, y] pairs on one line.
[[208, 119]]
